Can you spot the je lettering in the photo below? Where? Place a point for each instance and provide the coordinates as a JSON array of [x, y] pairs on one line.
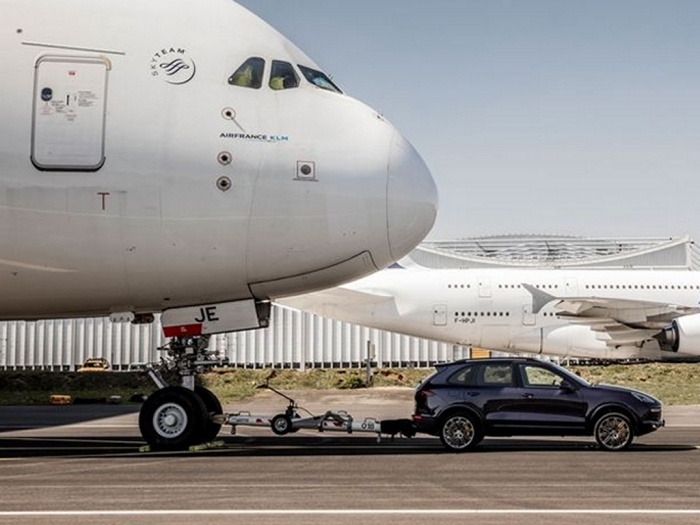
[[207, 314]]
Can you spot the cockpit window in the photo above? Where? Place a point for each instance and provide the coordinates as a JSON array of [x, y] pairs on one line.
[[319, 79], [250, 74], [283, 75]]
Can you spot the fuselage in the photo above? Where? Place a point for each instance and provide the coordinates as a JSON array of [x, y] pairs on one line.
[[494, 310], [138, 173]]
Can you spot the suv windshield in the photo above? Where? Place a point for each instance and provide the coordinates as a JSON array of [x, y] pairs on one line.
[[567, 373]]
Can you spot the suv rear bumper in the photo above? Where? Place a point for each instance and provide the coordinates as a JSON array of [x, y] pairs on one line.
[[425, 424]]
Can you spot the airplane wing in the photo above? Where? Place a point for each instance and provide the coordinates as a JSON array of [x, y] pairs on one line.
[[625, 310], [615, 333], [337, 302], [618, 322]]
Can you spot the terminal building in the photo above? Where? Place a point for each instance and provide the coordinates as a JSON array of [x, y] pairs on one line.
[[300, 340], [668, 253]]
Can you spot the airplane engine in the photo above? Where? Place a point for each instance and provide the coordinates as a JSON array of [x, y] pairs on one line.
[[576, 341], [682, 336]]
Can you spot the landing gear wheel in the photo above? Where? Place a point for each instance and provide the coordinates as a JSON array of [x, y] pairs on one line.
[[172, 418], [281, 425], [213, 406], [460, 432], [613, 432]]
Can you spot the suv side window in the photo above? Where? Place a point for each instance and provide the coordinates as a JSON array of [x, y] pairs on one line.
[[496, 374], [465, 376], [539, 377]]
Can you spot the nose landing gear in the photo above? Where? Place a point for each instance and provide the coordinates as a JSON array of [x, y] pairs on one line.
[[178, 417]]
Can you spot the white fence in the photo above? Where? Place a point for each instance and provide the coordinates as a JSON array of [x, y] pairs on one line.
[[293, 340]]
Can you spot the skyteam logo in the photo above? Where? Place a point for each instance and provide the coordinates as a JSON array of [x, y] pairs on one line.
[[173, 65]]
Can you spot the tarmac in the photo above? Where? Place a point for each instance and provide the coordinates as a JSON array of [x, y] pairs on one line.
[[68, 467]]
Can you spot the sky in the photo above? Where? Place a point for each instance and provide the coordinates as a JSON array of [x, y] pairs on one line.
[[535, 116]]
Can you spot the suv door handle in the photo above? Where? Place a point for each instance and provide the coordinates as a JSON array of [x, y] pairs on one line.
[[528, 396], [472, 394]]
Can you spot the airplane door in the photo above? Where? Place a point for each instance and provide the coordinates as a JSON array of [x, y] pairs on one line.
[[571, 287], [484, 287], [440, 315], [528, 316], [69, 107]]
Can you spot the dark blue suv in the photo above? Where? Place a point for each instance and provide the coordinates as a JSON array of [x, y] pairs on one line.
[[466, 400]]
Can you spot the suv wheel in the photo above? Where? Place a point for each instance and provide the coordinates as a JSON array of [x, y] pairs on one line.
[[460, 431], [613, 431]]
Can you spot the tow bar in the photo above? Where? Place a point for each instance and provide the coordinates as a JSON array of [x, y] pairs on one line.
[[290, 421]]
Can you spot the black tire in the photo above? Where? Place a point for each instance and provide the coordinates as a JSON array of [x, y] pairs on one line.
[[281, 424], [613, 431], [213, 406], [172, 418], [460, 431]]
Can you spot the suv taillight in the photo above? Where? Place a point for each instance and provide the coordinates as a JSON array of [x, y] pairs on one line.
[[422, 397]]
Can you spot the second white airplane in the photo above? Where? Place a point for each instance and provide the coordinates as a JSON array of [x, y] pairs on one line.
[[590, 313]]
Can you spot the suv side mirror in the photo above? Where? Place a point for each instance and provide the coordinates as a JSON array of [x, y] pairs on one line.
[[567, 386]]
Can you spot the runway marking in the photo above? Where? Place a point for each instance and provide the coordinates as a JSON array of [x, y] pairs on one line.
[[60, 439], [346, 512]]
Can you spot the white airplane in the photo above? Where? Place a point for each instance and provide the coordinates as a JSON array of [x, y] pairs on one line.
[[183, 157], [586, 313]]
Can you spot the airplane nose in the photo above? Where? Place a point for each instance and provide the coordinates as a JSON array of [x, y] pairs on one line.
[[412, 198]]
